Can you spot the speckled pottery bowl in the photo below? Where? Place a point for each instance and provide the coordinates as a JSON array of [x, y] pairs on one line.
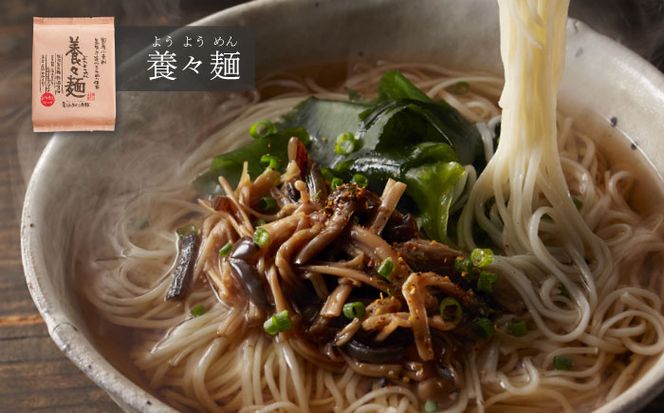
[[602, 78]]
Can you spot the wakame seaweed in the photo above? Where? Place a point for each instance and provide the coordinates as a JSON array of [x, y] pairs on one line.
[[402, 134]]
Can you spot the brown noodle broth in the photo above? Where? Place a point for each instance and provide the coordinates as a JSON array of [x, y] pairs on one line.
[[623, 153], [114, 342], [117, 343]]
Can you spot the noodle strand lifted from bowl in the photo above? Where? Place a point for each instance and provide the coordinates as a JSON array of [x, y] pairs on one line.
[[306, 291]]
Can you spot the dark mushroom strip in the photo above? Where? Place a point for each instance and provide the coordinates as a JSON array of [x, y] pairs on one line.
[[389, 200], [245, 249], [400, 228], [242, 262], [187, 248], [374, 353], [424, 255], [250, 281]]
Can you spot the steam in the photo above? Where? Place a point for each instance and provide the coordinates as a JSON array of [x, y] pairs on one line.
[[637, 24]]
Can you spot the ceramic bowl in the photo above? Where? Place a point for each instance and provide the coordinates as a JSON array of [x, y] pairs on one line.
[[74, 171]]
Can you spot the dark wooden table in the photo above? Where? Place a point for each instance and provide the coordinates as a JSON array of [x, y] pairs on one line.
[[34, 374]]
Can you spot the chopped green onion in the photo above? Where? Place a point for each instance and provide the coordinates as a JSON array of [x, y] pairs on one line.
[[261, 237], [483, 327], [279, 322], [481, 257], [430, 406], [270, 327], [486, 281], [562, 363], [386, 267], [346, 144], [270, 161], [460, 88], [187, 230], [354, 310], [327, 173], [283, 320], [226, 249], [462, 264], [517, 328], [267, 203], [360, 180], [577, 203], [198, 310], [335, 182], [262, 129], [451, 310]]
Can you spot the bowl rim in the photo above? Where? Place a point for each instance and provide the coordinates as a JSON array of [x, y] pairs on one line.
[[128, 394]]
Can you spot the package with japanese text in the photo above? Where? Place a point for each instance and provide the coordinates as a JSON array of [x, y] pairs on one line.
[[73, 74]]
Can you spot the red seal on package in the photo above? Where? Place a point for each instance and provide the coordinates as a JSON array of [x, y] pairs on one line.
[[47, 99]]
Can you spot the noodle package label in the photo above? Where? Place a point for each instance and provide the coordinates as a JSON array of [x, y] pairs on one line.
[[73, 74]]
